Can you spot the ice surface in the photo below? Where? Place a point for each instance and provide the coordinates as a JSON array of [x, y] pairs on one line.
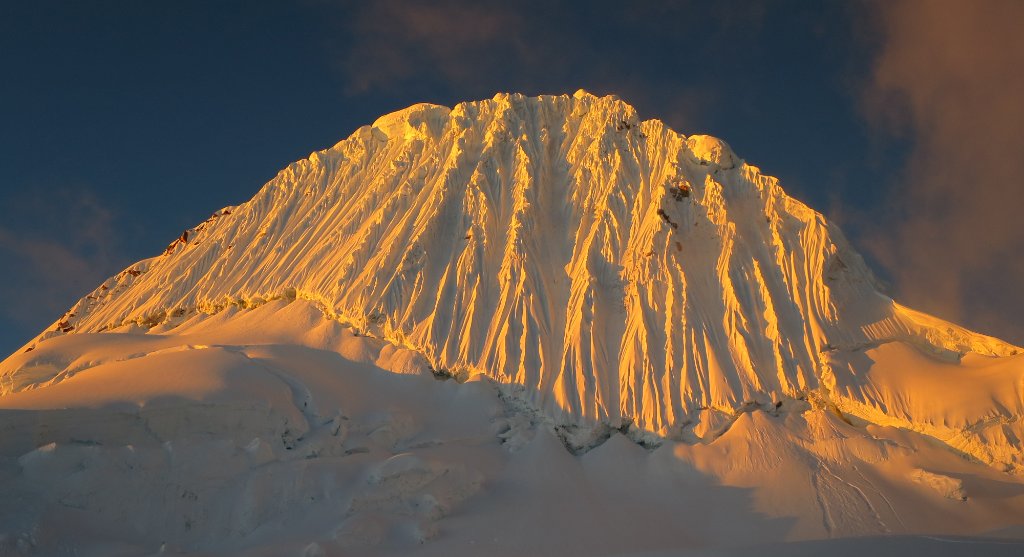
[[616, 270], [592, 323], [214, 436], [221, 436]]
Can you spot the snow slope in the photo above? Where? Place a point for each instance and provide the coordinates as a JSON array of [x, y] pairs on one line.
[[642, 315], [277, 431]]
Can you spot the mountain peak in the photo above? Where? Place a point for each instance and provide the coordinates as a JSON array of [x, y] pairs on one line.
[[604, 269], [712, 150], [415, 122]]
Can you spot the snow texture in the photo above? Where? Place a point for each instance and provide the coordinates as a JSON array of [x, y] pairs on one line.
[[275, 431], [609, 295]]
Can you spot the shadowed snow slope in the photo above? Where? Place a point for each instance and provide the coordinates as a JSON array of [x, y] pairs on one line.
[[614, 270], [275, 431]]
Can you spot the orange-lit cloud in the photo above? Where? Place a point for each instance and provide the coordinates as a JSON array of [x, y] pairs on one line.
[[949, 76]]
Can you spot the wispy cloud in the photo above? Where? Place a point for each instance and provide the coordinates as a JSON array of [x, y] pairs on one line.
[[477, 48], [948, 78], [401, 40], [66, 250]]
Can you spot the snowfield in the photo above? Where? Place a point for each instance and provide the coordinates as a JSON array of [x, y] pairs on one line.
[[277, 431], [517, 326]]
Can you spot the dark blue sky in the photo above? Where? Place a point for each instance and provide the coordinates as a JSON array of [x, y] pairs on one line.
[[124, 123]]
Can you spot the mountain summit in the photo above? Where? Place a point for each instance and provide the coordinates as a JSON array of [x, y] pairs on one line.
[[605, 269], [654, 349]]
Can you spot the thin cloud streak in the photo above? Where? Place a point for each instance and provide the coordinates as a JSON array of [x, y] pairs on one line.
[[70, 251], [401, 40], [476, 49], [948, 78]]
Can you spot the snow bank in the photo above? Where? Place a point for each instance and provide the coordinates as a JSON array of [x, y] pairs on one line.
[[278, 448]]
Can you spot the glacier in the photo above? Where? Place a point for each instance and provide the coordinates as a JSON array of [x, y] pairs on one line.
[[620, 288]]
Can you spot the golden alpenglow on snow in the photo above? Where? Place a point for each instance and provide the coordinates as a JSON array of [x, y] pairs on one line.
[[645, 345]]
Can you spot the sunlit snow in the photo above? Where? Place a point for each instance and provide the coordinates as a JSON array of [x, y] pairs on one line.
[[524, 325]]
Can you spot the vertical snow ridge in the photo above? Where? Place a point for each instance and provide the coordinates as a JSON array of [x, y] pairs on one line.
[[615, 268]]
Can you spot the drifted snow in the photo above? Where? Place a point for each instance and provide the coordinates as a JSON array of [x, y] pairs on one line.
[[613, 270], [248, 433]]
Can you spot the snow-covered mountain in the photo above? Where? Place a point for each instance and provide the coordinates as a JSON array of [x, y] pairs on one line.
[[607, 272], [613, 268]]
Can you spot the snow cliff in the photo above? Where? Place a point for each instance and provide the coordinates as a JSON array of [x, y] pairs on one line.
[[606, 269]]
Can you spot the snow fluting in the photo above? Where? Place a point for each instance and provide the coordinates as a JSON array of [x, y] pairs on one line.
[[605, 270]]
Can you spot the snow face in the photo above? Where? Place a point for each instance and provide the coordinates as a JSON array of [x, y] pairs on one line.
[[607, 270], [653, 349], [278, 431]]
